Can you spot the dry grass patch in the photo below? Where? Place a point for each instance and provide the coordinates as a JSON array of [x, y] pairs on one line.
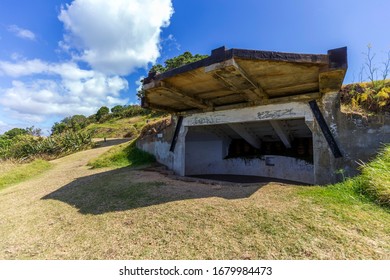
[[6, 166]]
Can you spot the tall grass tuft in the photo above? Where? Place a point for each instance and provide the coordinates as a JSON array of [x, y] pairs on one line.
[[375, 178]]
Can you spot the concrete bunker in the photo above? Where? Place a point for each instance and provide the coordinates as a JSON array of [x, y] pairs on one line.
[[258, 113], [278, 149]]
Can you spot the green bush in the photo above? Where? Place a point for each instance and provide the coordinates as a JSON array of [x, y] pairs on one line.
[[365, 97], [28, 147]]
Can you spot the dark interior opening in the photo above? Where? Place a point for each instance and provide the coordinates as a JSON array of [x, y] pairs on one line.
[[301, 148]]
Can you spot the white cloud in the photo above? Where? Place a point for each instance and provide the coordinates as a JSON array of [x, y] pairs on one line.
[[3, 127], [115, 37], [23, 68], [21, 33], [139, 83], [63, 89]]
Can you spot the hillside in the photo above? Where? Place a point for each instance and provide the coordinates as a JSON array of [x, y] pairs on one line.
[[117, 127]]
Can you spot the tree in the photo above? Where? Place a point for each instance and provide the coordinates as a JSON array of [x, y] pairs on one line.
[[15, 132], [33, 131], [376, 75], [103, 111], [117, 110], [157, 68], [58, 128], [177, 61], [182, 59], [77, 122]]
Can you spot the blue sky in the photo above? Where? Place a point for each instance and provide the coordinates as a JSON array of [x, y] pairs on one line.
[[59, 58]]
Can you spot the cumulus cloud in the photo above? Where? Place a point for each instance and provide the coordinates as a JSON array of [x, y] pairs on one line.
[[63, 89], [115, 37], [4, 127], [21, 33]]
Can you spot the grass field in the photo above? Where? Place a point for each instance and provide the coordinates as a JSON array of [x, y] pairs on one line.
[[133, 214], [73, 211]]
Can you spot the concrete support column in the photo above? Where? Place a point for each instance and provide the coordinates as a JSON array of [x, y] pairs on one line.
[[180, 152]]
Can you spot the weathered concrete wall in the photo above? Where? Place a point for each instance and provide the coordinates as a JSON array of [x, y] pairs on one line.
[[280, 167], [358, 138], [158, 145]]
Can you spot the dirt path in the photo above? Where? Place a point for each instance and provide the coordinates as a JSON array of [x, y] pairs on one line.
[[21, 205], [65, 170]]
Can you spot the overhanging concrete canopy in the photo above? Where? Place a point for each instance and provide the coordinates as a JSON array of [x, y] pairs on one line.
[[238, 78]]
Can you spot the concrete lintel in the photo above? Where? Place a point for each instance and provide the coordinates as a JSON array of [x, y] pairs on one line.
[[293, 110], [240, 130], [281, 133]]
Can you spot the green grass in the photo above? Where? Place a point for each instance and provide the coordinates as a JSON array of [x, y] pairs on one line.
[[23, 172], [123, 155], [134, 214], [373, 185], [375, 179], [130, 213], [116, 128]]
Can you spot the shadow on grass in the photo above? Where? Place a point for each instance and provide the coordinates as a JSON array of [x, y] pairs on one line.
[[125, 188]]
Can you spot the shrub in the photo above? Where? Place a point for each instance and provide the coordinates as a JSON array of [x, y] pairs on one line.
[[27, 147], [364, 97]]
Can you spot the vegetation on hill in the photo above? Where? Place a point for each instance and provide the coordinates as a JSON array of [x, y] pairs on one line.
[[177, 61], [28, 147], [74, 133], [103, 116], [365, 98], [128, 154], [370, 97]]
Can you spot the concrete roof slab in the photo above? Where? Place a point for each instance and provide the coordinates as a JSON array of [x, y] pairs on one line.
[[238, 78]]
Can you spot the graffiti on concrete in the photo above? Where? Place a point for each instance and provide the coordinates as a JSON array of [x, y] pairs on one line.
[[208, 120], [275, 114]]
